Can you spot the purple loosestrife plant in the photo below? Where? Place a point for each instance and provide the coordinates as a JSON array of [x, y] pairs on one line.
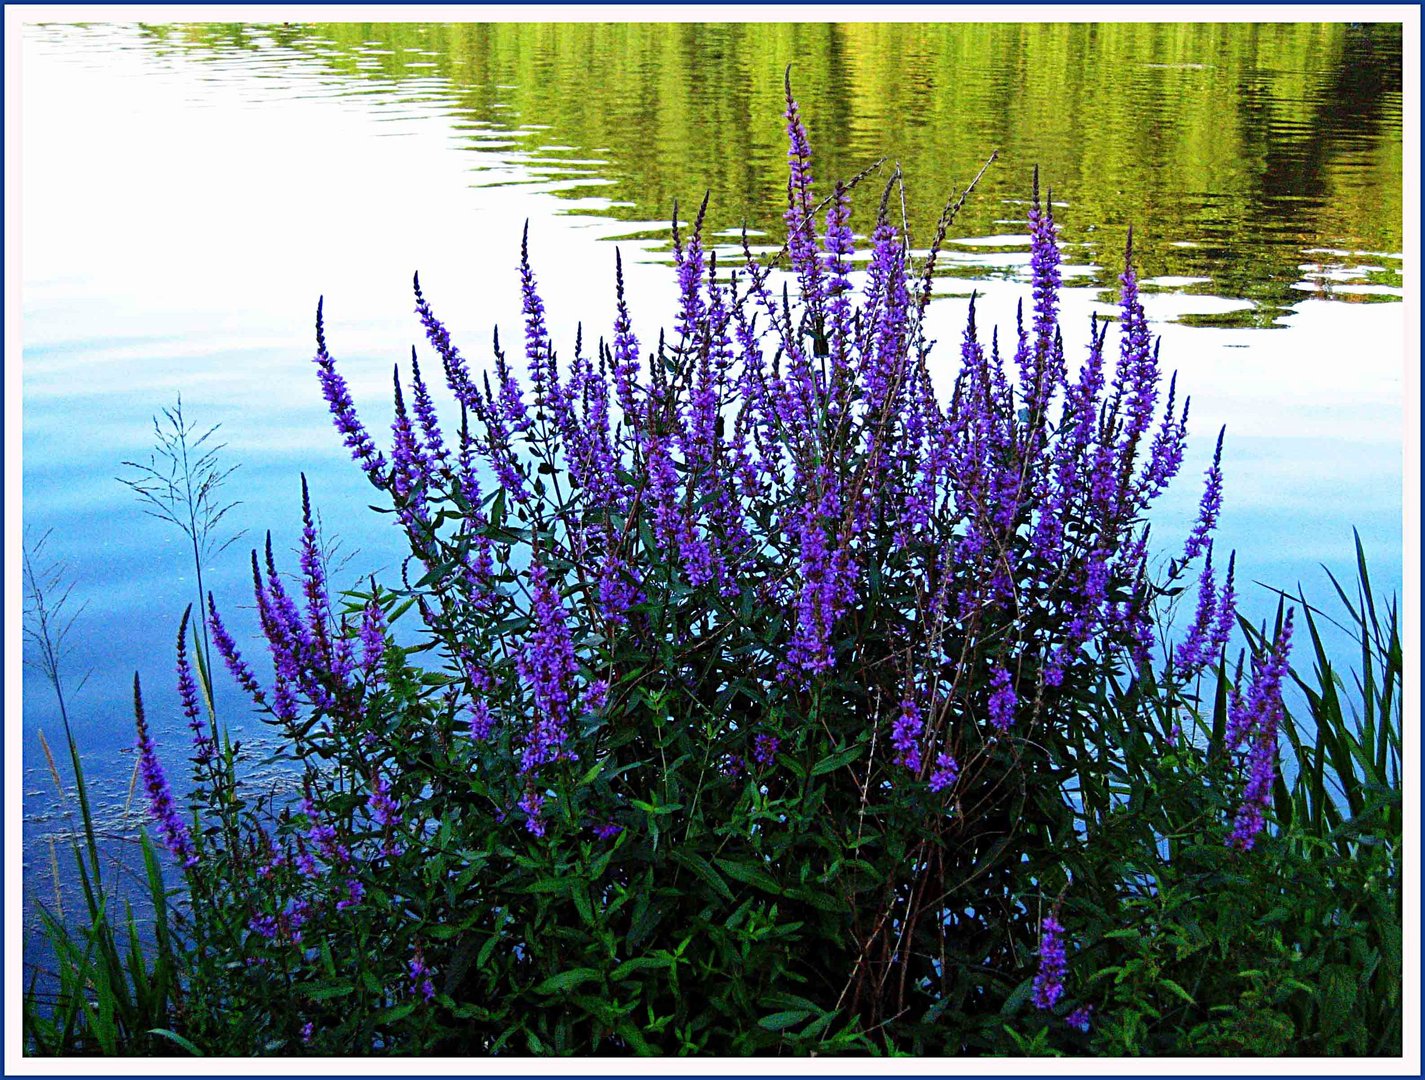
[[343, 410], [386, 813], [1053, 963], [1257, 717], [1209, 508], [161, 806], [548, 667], [905, 735], [775, 647], [947, 771], [1002, 699], [420, 976], [205, 746]]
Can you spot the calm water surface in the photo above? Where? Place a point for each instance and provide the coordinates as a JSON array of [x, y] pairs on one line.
[[190, 191]]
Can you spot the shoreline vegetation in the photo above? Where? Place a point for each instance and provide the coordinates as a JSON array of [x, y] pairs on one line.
[[757, 695]]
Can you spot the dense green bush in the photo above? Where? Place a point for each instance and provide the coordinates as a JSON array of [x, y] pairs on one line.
[[775, 699]]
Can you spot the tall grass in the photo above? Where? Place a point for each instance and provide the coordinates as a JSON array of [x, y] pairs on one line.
[[1344, 809], [181, 483], [110, 991]]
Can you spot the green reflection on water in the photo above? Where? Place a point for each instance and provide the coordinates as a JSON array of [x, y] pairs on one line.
[[1264, 159]]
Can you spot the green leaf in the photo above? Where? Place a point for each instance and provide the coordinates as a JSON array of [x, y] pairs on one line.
[[400, 609], [699, 866], [819, 899], [749, 874], [555, 886], [1175, 988], [581, 903], [780, 1021], [640, 963], [1338, 997], [832, 762], [173, 1036], [631, 1035], [487, 949], [396, 1012], [567, 980], [1016, 1000], [649, 808]]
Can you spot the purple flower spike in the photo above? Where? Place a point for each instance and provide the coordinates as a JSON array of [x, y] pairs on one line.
[[265, 926], [618, 585], [420, 976], [625, 350], [314, 578], [1081, 1019], [410, 470], [1197, 647], [947, 771], [1041, 368], [596, 695], [1053, 963], [690, 265], [543, 371], [386, 812], [840, 246], [548, 666], [457, 372], [424, 408], [801, 222], [482, 723], [1002, 699], [1166, 456], [905, 735], [1226, 607], [764, 749], [1259, 713], [343, 411], [205, 745], [1138, 361], [160, 799], [228, 650], [373, 641], [1249, 710], [1210, 506], [324, 837], [532, 803], [355, 893]]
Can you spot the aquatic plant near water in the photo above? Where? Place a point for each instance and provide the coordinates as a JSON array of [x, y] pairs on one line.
[[760, 649]]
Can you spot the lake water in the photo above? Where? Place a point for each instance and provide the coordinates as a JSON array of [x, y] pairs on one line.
[[189, 192]]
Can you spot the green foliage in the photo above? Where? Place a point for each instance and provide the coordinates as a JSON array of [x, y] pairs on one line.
[[663, 942], [1295, 949]]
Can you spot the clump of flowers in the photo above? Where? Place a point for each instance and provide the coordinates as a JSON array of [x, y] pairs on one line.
[[765, 647]]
